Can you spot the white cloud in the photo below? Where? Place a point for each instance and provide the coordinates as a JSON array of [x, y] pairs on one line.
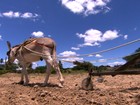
[[90, 55], [86, 7], [116, 63], [74, 6], [68, 53], [125, 37], [75, 48], [49, 35], [16, 61], [12, 14], [0, 37], [98, 56], [135, 28], [72, 59], [93, 37], [38, 34], [102, 60], [110, 35], [29, 15], [99, 60], [34, 65], [70, 56]]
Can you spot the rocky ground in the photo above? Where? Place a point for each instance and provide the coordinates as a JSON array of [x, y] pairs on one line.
[[118, 90]]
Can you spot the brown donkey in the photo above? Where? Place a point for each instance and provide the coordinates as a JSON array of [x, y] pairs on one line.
[[33, 50]]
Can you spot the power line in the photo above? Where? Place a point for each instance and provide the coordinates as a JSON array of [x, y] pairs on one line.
[[103, 60], [99, 52]]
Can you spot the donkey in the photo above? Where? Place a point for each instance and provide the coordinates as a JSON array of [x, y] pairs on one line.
[[33, 50]]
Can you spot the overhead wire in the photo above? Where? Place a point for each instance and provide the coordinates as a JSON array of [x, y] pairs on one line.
[[99, 52]]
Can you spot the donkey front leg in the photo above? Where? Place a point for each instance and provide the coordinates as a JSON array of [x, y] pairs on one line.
[[22, 79], [24, 73]]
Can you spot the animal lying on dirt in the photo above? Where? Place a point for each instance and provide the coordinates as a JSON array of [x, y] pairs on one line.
[[33, 50]]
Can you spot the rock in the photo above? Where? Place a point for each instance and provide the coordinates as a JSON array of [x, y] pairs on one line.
[[76, 84], [43, 94], [36, 86], [33, 98]]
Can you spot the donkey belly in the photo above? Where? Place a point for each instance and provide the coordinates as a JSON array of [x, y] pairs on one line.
[[31, 58]]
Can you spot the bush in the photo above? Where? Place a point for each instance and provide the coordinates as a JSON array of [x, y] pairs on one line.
[[4, 71]]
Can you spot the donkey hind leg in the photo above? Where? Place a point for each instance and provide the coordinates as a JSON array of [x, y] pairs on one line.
[[48, 72], [50, 63], [56, 67]]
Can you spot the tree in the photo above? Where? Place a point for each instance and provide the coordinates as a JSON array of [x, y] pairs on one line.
[[83, 65], [1, 65], [1, 60], [102, 68], [61, 65], [12, 66], [130, 57], [40, 69], [137, 50], [135, 56]]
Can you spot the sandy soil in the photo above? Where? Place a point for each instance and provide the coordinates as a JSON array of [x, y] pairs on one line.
[[118, 90]]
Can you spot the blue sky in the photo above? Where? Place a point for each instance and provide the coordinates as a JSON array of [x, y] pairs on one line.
[[78, 26]]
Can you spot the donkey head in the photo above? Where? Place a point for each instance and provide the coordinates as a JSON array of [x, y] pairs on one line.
[[10, 53]]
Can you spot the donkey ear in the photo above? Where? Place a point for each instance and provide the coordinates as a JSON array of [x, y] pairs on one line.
[[9, 45]]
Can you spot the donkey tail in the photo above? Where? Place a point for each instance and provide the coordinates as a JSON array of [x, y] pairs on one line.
[[54, 57]]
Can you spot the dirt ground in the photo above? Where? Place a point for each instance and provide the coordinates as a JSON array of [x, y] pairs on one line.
[[118, 90]]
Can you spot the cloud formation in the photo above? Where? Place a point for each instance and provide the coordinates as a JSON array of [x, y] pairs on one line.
[[68, 53], [116, 63], [75, 48], [86, 7], [38, 34], [12, 14], [0, 37], [125, 37], [70, 56], [98, 55], [93, 37]]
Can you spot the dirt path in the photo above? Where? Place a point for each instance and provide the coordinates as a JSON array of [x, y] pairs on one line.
[[118, 90]]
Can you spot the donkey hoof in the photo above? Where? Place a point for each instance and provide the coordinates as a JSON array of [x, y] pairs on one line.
[[26, 84], [44, 84], [21, 82], [60, 85], [62, 82]]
